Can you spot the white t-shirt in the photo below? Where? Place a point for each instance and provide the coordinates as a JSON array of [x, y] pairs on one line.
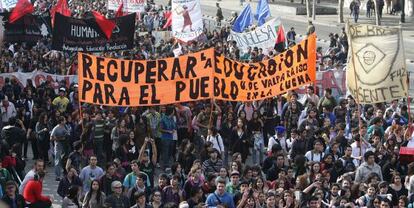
[[314, 156]]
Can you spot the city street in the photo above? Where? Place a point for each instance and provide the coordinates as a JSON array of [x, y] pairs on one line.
[[324, 24]]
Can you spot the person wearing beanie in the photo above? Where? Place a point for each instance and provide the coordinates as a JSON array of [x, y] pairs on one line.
[[280, 139]]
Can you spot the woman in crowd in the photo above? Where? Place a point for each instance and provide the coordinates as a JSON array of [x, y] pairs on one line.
[[94, 198]]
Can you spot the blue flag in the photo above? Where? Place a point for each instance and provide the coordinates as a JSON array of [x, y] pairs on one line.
[[244, 20], [262, 12]]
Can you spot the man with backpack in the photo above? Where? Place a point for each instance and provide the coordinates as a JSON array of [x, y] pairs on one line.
[[315, 155], [347, 160]]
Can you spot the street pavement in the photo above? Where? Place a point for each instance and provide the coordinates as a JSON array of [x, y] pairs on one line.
[[324, 24]]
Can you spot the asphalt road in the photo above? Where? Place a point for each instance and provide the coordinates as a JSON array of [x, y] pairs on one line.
[[324, 24]]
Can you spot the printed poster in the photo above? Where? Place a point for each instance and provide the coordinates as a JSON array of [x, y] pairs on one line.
[[187, 22]]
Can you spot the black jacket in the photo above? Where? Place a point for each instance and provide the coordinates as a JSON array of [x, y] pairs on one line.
[[20, 202]]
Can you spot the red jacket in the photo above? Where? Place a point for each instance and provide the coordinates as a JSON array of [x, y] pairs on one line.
[[33, 192], [9, 161]]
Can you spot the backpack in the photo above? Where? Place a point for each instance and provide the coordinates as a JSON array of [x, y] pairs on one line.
[[349, 164]]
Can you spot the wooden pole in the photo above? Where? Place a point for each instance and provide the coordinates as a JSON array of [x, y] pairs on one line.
[[408, 78], [355, 77], [210, 121], [361, 140]]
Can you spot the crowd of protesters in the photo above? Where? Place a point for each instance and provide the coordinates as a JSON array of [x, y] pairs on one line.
[[295, 150]]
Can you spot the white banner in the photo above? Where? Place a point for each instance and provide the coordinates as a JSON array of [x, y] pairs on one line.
[[129, 5], [187, 22], [376, 70], [7, 4], [38, 78], [262, 37]]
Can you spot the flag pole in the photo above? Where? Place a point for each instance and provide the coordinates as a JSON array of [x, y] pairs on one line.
[[361, 140], [351, 52], [408, 77]]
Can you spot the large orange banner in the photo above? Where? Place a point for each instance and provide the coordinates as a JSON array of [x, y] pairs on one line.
[[201, 75], [247, 82], [116, 82]]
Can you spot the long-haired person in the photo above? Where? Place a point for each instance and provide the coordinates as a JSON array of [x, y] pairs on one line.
[[94, 198]]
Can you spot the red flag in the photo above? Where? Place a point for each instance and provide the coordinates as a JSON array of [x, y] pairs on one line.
[[62, 7], [280, 35], [168, 16], [280, 44], [22, 8], [107, 26], [120, 12]]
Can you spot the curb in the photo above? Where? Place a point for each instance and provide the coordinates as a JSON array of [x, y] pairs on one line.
[[299, 35]]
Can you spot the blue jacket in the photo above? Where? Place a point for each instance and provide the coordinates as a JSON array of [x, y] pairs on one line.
[[214, 199]]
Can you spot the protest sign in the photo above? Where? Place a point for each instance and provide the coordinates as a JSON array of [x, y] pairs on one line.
[[80, 35], [262, 37], [129, 5], [7, 4], [187, 22], [115, 82], [376, 70], [38, 78], [28, 29], [236, 81]]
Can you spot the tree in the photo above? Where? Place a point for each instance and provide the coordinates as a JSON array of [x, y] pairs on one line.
[[410, 8], [314, 9], [377, 17], [308, 9], [341, 11]]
